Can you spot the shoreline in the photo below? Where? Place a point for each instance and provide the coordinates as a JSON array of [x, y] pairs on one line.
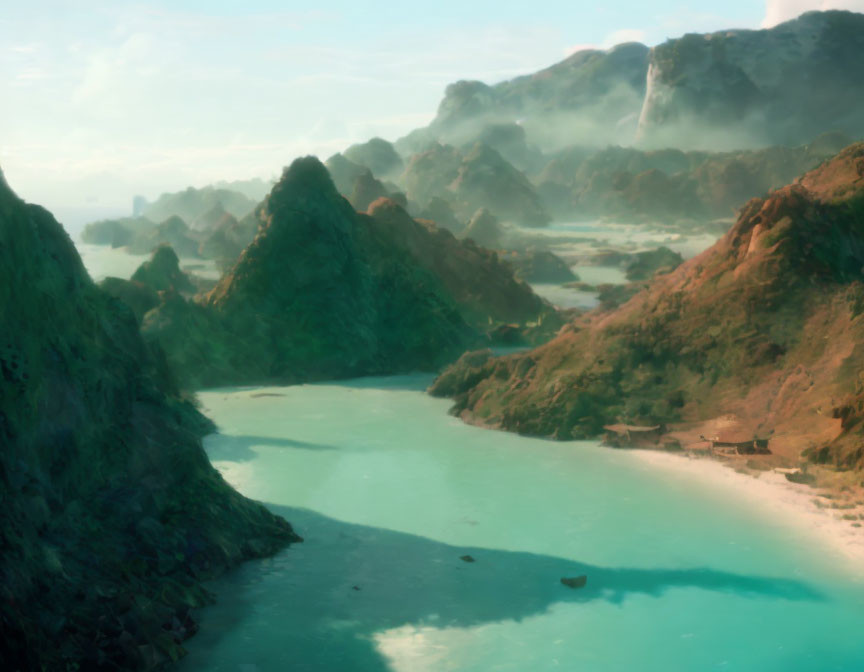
[[777, 497]]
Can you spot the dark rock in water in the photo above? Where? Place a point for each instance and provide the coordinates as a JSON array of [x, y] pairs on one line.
[[116, 232], [645, 265], [467, 558], [356, 588], [575, 581], [801, 477], [112, 515], [162, 272], [541, 267]]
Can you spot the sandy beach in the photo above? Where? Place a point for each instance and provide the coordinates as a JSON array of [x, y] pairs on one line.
[[794, 504]]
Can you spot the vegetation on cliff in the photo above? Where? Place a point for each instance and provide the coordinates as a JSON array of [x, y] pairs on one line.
[[112, 515], [759, 334], [326, 292]]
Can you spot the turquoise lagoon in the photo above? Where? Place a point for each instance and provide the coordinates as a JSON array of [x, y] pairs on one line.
[[389, 492]]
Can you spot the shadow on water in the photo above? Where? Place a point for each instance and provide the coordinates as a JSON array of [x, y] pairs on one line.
[[238, 447], [305, 598]]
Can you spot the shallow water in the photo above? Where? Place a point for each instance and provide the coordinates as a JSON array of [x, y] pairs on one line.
[[102, 261], [588, 236], [389, 491], [566, 297]]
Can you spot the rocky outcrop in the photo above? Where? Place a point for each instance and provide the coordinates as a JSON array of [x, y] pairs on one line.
[[479, 178], [540, 267], [305, 300], [645, 265], [162, 273], [192, 204], [344, 173], [377, 155], [227, 238], [441, 213], [112, 515], [744, 88], [484, 288], [366, 190], [485, 179], [324, 292], [116, 232], [173, 231], [485, 230], [759, 334], [429, 173]]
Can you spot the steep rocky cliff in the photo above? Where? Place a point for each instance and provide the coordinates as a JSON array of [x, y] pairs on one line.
[[759, 335], [745, 88], [592, 95], [324, 292], [111, 513]]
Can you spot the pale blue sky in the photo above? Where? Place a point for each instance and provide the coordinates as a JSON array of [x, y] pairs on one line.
[[102, 99]]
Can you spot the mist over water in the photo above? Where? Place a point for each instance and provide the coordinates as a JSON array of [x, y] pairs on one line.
[[389, 492]]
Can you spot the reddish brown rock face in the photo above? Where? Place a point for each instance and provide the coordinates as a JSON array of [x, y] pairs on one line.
[[758, 335]]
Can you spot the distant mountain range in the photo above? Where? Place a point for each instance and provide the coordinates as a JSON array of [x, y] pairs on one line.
[[732, 89]]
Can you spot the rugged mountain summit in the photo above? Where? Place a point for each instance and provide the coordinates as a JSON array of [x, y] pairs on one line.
[[759, 335], [325, 292], [112, 515], [592, 94], [745, 88], [306, 300]]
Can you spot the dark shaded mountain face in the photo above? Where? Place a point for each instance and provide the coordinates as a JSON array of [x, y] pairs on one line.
[[324, 292], [112, 514], [745, 88], [762, 332]]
